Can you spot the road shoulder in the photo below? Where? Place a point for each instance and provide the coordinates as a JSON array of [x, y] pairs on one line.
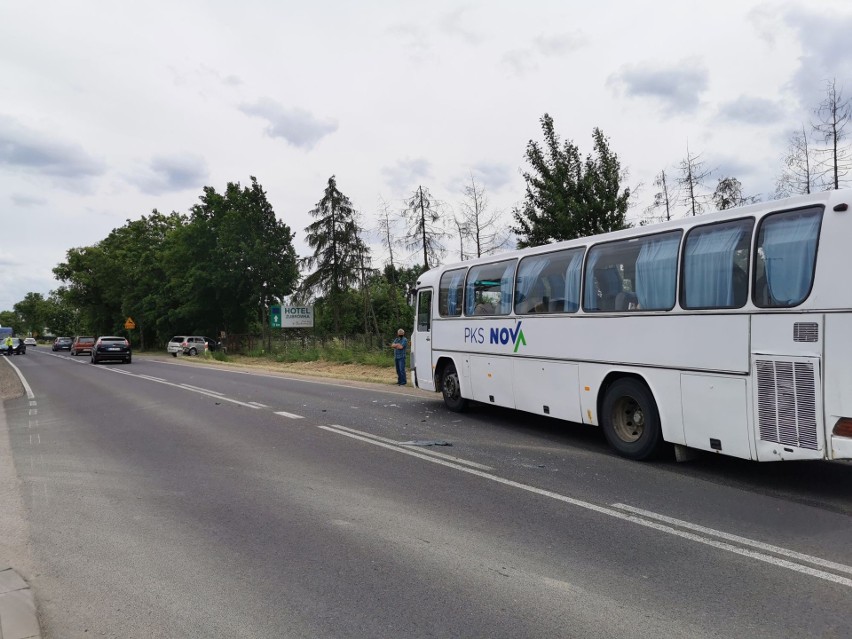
[[18, 617]]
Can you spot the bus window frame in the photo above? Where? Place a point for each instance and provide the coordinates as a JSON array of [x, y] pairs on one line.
[[472, 268], [572, 249], [638, 238], [755, 256], [682, 265], [464, 269]]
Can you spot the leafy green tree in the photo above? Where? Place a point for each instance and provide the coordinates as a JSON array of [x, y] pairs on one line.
[[229, 263], [339, 251], [568, 197], [89, 278], [12, 320], [135, 252], [62, 318], [121, 276], [32, 311]]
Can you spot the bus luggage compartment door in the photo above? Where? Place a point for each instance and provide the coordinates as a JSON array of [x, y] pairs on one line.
[[548, 388]]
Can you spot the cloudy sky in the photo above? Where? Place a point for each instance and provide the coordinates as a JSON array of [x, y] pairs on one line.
[[112, 109]]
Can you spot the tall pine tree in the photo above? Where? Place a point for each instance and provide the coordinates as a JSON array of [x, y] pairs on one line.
[[338, 249]]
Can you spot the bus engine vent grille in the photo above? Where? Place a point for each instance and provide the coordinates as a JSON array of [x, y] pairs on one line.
[[786, 403], [805, 332]]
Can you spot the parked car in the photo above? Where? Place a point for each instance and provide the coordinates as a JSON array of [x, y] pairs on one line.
[[82, 344], [30, 341], [110, 347], [18, 347], [212, 344], [62, 344], [186, 345]]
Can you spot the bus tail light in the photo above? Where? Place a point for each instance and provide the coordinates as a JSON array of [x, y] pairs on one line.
[[843, 427]]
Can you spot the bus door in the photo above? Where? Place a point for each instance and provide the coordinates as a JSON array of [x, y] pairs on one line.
[[422, 346]]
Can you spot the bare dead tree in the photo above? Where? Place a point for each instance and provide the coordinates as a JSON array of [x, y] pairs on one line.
[[463, 233], [797, 176], [484, 228], [833, 116], [664, 200], [424, 231], [693, 173], [387, 230]]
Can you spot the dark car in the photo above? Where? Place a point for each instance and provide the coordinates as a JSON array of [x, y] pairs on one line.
[[111, 348], [18, 347], [212, 344], [62, 344], [82, 344]]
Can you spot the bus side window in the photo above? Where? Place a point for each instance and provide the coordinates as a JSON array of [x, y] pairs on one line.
[[424, 311], [786, 257]]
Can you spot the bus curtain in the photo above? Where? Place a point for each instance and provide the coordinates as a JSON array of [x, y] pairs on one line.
[[709, 267], [656, 269], [789, 248]]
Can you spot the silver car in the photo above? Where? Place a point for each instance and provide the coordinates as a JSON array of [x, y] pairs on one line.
[[186, 345]]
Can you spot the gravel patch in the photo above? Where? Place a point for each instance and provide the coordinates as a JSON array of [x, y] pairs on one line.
[[10, 383]]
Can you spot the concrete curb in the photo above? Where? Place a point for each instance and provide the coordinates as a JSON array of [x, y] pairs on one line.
[[18, 619]]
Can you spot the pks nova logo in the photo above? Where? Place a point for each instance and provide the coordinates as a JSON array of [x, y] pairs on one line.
[[496, 336]]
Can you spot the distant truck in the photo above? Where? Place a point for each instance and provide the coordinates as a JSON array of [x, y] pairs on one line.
[[6, 331]]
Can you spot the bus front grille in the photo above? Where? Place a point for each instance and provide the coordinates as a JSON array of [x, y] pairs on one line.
[[786, 403]]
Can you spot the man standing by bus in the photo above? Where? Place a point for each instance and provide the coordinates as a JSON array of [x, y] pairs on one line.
[[400, 344]]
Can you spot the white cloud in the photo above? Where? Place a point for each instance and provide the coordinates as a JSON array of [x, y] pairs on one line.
[[166, 173], [751, 111], [823, 37], [404, 176], [28, 150], [297, 126], [560, 44], [26, 201], [677, 88]]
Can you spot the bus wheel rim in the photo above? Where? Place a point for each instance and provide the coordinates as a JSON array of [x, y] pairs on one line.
[[451, 386], [628, 420]]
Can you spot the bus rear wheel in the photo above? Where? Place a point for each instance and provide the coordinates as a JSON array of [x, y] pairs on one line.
[[451, 389], [631, 421]]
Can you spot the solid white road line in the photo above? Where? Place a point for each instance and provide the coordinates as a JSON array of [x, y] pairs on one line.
[[737, 539], [425, 452], [611, 512]]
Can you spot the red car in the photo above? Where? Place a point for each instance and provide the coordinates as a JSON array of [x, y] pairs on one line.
[[82, 345]]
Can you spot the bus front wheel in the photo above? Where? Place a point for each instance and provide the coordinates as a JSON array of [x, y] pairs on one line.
[[451, 389], [630, 420]]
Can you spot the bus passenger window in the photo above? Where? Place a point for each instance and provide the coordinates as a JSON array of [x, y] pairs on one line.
[[450, 293], [489, 289], [715, 260], [643, 267], [786, 256], [549, 282]]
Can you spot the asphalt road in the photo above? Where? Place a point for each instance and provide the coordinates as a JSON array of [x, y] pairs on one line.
[[169, 499]]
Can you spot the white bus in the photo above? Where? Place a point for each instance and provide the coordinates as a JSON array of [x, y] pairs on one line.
[[730, 332]]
